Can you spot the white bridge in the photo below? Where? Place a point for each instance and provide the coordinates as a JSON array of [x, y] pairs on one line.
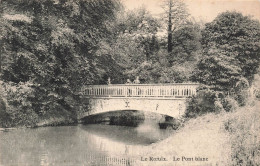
[[167, 99]]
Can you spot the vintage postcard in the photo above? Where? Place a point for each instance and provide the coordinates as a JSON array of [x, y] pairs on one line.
[[129, 82]]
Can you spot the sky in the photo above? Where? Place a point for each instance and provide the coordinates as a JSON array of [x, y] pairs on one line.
[[205, 10]]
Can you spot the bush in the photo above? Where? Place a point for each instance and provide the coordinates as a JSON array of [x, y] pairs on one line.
[[229, 104], [17, 111], [4, 118], [24, 104], [241, 90], [241, 97], [205, 101]]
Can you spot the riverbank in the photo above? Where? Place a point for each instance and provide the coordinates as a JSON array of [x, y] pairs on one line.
[[212, 139]]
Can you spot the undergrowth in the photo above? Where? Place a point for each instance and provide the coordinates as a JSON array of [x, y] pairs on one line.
[[244, 129]]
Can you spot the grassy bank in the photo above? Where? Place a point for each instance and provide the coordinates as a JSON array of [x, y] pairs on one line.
[[244, 131], [225, 138]]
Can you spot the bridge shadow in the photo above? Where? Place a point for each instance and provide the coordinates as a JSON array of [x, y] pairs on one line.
[[133, 118], [123, 118]]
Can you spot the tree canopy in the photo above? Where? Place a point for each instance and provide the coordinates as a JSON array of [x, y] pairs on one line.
[[52, 45], [50, 49], [231, 50]]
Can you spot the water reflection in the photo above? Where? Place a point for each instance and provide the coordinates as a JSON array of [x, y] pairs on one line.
[[77, 145]]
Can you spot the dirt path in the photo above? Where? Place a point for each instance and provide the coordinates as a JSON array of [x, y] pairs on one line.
[[200, 139]]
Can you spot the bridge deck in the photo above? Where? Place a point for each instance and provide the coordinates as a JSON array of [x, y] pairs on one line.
[[140, 91]]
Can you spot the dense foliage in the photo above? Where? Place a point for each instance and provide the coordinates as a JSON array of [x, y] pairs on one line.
[[231, 51], [50, 49], [204, 102], [51, 45]]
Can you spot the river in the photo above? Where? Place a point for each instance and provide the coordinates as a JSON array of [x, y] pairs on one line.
[[92, 144]]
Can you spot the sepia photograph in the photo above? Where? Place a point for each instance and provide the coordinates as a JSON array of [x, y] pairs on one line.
[[129, 82]]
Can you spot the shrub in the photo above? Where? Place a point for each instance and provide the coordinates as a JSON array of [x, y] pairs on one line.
[[3, 115], [205, 101], [241, 91], [229, 104], [241, 97], [18, 108]]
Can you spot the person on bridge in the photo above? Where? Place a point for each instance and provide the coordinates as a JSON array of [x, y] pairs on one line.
[[137, 81], [128, 81], [108, 81]]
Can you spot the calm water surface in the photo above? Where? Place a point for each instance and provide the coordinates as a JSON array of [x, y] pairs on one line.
[[78, 145]]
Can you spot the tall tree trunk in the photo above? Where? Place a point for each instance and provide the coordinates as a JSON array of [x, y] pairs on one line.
[[1, 46], [1, 40], [170, 27]]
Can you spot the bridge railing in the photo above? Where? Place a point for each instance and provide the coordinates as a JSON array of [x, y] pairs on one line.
[[141, 90]]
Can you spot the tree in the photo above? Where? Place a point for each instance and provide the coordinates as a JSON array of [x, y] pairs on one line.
[[217, 70], [176, 17], [186, 43], [231, 51], [134, 42], [53, 45]]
